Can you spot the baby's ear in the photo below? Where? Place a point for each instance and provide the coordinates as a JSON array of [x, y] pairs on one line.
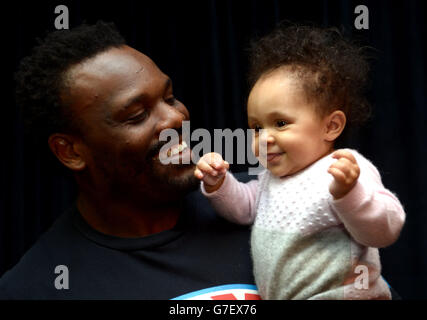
[[334, 125]]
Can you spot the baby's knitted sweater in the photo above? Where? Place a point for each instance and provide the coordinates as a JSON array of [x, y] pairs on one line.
[[305, 244]]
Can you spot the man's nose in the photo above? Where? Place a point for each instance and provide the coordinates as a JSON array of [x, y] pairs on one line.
[[169, 117]]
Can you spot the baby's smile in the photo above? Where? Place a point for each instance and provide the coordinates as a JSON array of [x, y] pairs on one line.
[[273, 158]]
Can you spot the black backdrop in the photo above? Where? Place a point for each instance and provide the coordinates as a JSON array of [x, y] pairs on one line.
[[201, 46]]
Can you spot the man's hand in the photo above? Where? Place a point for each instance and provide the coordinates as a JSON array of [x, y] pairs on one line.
[[345, 171], [211, 168]]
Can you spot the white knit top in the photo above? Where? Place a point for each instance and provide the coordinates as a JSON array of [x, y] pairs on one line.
[[305, 244]]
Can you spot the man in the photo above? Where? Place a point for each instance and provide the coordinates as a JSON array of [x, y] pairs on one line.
[[134, 232]]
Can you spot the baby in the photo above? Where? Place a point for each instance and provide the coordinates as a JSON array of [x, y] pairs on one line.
[[318, 214]]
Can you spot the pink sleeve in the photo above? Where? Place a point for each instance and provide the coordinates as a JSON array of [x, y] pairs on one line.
[[372, 214], [234, 200]]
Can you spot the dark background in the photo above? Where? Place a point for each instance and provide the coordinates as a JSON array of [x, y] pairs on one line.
[[201, 46]]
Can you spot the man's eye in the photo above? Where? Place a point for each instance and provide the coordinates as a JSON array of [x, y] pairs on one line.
[[172, 100], [138, 117], [281, 123]]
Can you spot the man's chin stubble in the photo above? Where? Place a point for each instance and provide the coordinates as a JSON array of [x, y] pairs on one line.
[[177, 178]]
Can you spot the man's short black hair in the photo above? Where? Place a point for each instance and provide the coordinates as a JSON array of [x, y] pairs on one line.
[[41, 75]]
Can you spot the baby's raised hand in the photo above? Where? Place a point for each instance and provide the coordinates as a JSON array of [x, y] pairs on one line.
[[345, 171], [211, 168]]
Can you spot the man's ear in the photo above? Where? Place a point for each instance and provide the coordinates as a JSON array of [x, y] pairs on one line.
[[66, 149], [334, 125]]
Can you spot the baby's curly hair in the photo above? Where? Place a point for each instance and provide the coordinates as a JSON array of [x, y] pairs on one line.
[[334, 70], [41, 77]]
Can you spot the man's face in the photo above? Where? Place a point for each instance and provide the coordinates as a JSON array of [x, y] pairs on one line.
[[123, 102]]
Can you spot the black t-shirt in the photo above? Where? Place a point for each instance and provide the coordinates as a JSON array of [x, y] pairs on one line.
[[202, 256]]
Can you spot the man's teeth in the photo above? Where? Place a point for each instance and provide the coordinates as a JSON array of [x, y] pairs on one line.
[[177, 149]]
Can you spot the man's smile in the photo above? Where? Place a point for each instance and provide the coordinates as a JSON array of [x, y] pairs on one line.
[[177, 154]]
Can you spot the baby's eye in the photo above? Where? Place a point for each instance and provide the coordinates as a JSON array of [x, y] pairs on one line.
[[257, 128], [281, 123]]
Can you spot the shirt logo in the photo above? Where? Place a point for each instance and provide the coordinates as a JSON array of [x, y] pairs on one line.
[[225, 292]]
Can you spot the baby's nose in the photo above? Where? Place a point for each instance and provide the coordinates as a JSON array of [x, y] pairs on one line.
[[267, 136]]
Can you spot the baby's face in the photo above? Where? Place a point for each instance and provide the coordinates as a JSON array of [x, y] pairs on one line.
[[293, 132]]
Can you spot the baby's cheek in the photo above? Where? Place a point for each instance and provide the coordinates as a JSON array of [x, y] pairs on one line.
[[259, 148], [255, 146]]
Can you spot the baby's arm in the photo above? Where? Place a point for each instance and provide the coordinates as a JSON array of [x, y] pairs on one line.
[[232, 199], [371, 213]]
